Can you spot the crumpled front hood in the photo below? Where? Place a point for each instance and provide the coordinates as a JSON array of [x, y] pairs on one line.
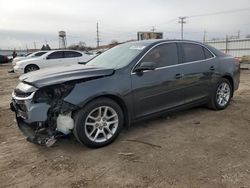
[[57, 75]]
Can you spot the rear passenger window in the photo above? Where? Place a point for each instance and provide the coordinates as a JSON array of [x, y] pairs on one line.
[[70, 54], [192, 52], [207, 54], [163, 55], [55, 55]]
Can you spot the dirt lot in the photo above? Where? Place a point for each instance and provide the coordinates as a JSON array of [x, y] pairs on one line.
[[194, 148]]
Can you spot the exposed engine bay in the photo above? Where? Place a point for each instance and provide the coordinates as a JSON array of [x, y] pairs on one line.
[[42, 114]]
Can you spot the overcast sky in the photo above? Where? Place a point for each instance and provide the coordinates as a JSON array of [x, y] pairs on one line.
[[25, 21]]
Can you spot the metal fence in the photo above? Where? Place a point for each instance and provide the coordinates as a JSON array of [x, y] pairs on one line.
[[234, 47]]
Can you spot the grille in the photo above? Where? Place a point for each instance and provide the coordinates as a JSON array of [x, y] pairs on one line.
[[22, 107]]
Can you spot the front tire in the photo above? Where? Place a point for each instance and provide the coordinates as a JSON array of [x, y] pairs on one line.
[[30, 68], [98, 123], [222, 95]]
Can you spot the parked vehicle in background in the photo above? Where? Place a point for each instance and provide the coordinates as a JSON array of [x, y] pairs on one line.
[[24, 55], [10, 57], [28, 56], [51, 59], [4, 59], [91, 53], [124, 84]]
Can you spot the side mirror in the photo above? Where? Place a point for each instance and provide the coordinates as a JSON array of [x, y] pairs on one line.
[[146, 66]]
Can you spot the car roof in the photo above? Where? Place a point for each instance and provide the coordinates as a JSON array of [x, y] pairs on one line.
[[64, 50], [156, 41], [153, 42]]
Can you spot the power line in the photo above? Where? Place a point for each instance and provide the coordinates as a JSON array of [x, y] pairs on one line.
[[221, 12], [182, 19]]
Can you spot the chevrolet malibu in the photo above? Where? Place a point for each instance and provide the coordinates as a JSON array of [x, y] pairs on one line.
[[127, 83]]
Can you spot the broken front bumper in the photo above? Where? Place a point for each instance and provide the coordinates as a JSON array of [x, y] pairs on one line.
[[42, 123], [30, 112], [32, 120]]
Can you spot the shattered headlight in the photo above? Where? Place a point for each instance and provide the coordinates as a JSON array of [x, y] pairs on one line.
[[26, 88], [23, 90], [54, 92]]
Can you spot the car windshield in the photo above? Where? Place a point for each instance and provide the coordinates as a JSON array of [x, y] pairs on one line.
[[26, 55], [118, 56], [31, 55]]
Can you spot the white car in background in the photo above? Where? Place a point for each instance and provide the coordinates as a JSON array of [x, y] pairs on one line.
[[51, 59], [28, 56]]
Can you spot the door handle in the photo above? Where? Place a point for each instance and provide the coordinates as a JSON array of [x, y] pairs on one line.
[[178, 76], [212, 68]]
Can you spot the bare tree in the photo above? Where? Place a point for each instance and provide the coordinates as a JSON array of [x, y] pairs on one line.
[[114, 42], [80, 46]]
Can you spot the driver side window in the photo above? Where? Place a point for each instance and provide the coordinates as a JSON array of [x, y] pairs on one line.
[[163, 55]]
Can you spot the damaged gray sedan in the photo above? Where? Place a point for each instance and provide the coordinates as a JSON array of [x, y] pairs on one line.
[[126, 83]]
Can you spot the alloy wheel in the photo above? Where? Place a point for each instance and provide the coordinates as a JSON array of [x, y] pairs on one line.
[[101, 124], [31, 68], [223, 94]]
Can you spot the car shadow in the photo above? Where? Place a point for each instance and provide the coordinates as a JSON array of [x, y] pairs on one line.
[[152, 123]]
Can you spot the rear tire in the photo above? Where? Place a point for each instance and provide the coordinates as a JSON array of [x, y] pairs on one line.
[[30, 68], [221, 95], [98, 123]]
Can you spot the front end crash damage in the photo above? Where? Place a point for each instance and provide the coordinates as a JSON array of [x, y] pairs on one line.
[[41, 113]]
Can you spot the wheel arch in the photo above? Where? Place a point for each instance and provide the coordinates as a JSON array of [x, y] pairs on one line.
[[31, 65], [118, 100], [230, 79]]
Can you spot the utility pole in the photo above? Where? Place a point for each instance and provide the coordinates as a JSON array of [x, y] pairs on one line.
[[153, 29], [204, 36], [97, 35], [34, 45], [226, 50], [238, 34], [182, 21], [27, 48]]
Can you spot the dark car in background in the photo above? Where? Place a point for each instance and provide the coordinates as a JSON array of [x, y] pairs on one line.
[[127, 83], [4, 59]]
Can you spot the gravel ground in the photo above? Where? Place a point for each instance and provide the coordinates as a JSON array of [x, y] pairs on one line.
[[194, 148]]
